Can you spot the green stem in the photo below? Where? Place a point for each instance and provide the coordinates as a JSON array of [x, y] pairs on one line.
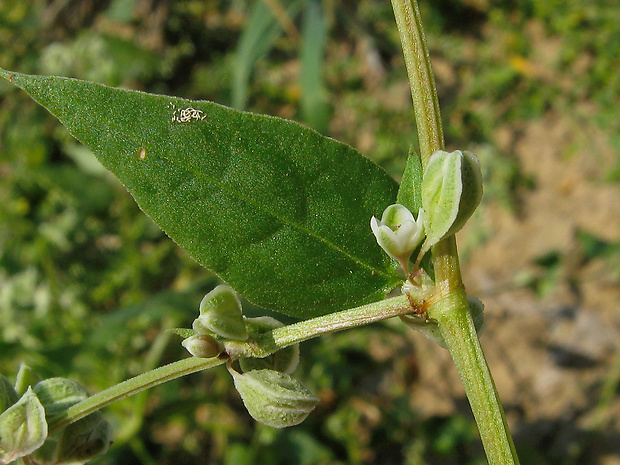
[[457, 328], [450, 310], [130, 387], [263, 346], [421, 78]]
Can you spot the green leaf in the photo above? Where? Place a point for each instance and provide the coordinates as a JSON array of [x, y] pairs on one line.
[[278, 211], [410, 191]]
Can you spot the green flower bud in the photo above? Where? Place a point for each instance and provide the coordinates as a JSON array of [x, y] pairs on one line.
[[398, 233], [58, 394], [476, 309], [451, 191], [285, 360], [202, 346], [23, 428], [84, 440], [8, 395], [273, 398], [221, 314], [262, 324]]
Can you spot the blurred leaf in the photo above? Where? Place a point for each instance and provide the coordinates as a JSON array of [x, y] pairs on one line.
[[300, 447], [259, 35], [314, 106], [100, 58], [594, 247], [280, 212]]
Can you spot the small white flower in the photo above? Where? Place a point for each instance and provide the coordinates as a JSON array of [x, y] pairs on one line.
[[398, 233]]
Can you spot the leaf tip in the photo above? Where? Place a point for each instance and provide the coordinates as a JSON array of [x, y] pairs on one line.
[[8, 75]]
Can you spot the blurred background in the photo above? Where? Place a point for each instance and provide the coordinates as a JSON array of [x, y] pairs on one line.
[[88, 284]]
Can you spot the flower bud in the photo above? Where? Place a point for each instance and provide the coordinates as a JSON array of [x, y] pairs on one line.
[[202, 346], [84, 440], [451, 191], [58, 394], [221, 314], [273, 398], [23, 428], [398, 233], [284, 360]]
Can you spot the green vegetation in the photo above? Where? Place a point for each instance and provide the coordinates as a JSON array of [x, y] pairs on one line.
[[88, 283]]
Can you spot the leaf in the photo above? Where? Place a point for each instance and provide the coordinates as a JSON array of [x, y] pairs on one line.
[[409, 193], [278, 211]]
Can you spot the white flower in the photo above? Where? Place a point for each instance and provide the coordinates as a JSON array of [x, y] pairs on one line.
[[399, 233]]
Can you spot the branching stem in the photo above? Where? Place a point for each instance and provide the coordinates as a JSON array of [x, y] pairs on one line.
[[263, 346]]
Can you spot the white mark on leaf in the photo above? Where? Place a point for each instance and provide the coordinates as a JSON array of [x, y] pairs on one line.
[[186, 115], [141, 153]]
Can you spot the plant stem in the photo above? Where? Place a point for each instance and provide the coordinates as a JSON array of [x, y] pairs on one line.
[[457, 328], [130, 387], [421, 78], [450, 309], [262, 346]]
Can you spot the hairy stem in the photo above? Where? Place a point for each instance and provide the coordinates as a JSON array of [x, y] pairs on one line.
[[421, 78], [130, 387], [457, 328], [262, 346], [450, 308]]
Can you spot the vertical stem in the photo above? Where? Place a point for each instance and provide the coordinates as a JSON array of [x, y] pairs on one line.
[[421, 78], [458, 331], [451, 311]]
